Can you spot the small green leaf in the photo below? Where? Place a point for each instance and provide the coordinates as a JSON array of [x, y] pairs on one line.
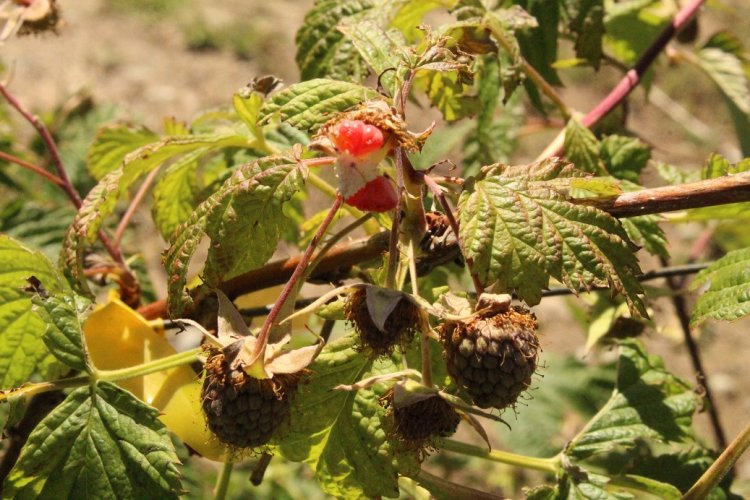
[[645, 232], [309, 104], [518, 231], [728, 297], [641, 485], [648, 403], [113, 143], [411, 13], [585, 19], [99, 443], [324, 51], [582, 148], [342, 434], [176, 192], [65, 314], [624, 157], [380, 48], [244, 220], [22, 350]]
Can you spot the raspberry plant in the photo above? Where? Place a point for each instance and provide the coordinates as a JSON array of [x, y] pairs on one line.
[[429, 326]]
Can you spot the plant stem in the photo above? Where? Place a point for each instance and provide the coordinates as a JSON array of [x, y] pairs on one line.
[[330, 191], [394, 256], [438, 193], [34, 168], [222, 481], [720, 467], [133, 206], [62, 175], [41, 387], [551, 465], [335, 239], [181, 358], [260, 469], [633, 77], [678, 301], [294, 279]]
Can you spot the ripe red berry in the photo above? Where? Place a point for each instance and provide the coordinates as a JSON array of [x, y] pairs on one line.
[[358, 138], [378, 195]]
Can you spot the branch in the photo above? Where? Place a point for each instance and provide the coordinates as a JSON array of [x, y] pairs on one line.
[[34, 168], [720, 191], [632, 78]]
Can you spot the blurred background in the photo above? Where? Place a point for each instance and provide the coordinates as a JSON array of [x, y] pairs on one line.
[[144, 60]]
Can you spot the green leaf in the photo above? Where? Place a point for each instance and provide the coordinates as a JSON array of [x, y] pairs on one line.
[[631, 27], [243, 219], [728, 297], [308, 105], [718, 166], [648, 403], [518, 231], [410, 14], [624, 157], [539, 46], [40, 225], [640, 485], [176, 192], [381, 49], [322, 50], [101, 200], [645, 232], [448, 93], [99, 443], [582, 148], [22, 350], [585, 19], [342, 434], [726, 70], [65, 314], [113, 143]]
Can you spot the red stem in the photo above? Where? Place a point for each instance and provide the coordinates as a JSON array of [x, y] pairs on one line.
[[133, 206], [34, 168], [632, 78], [298, 271]]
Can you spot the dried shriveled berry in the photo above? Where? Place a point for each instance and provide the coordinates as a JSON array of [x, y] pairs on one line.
[[417, 423], [243, 411], [493, 358], [399, 327]]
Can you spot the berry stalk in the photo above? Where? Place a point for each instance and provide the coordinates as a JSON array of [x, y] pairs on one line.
[[294, 279]]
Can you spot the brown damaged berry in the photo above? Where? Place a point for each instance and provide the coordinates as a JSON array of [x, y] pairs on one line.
[[243, 411], [418, 424], [399, 328], [493, 358]]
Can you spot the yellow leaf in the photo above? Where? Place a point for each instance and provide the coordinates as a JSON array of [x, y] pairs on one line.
[[118, 337]]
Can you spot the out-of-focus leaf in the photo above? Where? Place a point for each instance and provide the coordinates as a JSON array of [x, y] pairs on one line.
[[113, 143], [322, 50], [585, 19], [624, 157]]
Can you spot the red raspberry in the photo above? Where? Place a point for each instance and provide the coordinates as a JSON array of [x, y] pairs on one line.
[[378, 195], [358, 138]]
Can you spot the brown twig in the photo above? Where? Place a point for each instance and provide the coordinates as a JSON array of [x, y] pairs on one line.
[[730, 189]]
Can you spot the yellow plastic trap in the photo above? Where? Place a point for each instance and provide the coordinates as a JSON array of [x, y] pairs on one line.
[[118, 337]]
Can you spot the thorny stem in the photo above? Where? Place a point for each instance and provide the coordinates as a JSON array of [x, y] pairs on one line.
[[721, 467], [294, 279], [678, 301], [438, 193], [632, 78], [34, 168], [222, 481], [122, 226], [551, 465]]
